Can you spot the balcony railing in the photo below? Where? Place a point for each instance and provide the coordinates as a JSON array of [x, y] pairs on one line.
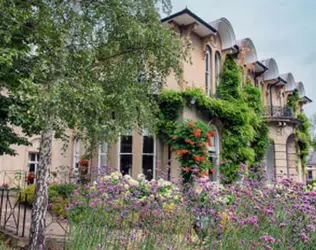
[[279, 112]]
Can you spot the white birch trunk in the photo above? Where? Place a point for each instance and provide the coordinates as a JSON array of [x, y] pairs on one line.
[[38, 223]]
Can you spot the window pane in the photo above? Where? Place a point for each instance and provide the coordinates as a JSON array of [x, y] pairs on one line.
[[148, 166], [32, 157], [103, 147], [126, 163], [206, 62], [206, 83], [32, 167], [148, 144], [126, 144], [103, 161]]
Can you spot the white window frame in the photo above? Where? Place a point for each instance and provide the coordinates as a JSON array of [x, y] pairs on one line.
[[145, 133], [208, 70], [76, 155], [100, 154], [119, 152], [36, 162], [214, 150]]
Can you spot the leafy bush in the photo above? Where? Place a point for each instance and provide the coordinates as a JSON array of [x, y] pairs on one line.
[[58, 196]]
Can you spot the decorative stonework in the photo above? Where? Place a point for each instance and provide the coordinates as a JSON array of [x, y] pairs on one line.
[[208, 40]]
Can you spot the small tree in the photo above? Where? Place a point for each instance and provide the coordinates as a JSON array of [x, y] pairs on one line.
[[83, 71]]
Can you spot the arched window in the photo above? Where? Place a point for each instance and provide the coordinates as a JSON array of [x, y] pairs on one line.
[[208, 76], [217, 67]]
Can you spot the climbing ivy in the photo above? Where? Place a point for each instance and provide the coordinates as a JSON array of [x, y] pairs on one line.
[[304, 138], [230, 79], [245, 133], [292, 100]]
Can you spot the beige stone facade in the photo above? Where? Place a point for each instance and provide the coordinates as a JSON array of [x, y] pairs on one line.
[[209, 43]]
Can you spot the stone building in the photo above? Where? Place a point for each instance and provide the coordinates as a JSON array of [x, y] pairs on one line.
[[210, 42]]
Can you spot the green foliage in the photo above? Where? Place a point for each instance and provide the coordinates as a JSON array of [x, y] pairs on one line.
[[81, 69], [28, 195], [292, 100], [58, 196], [304, 138], [230, 79], [245, 132], [240, 122], [16, 29], [252, 96]]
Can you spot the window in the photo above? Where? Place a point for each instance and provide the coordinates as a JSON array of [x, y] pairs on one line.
[[32, 164], [148, 156], [126, 154], [208, 71], [217, 67], [310, 175], [214, 156], [76, 156], [102, 159]]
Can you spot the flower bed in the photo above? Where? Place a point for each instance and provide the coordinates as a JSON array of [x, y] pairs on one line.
[[122, 213]]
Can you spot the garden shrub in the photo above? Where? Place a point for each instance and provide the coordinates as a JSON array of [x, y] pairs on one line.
[[190, 142], [58, 196]]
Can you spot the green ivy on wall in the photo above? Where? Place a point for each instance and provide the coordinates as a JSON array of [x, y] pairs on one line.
[[245, 133], [292, 100], [304, 138]]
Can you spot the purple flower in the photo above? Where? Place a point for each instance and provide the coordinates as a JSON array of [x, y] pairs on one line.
[[267, 238], [304, 236], [311, 228]]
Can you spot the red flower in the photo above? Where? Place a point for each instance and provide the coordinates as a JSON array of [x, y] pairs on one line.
[[213, 170], [191, 124], [197, 132], [84, 163], [213, 133], [189, 141], [186, 169], [174, 137]]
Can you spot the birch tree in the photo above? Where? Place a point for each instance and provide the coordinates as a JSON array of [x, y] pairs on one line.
[[83, 72]]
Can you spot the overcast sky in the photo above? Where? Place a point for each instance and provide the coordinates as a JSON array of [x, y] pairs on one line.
[[282, 29]]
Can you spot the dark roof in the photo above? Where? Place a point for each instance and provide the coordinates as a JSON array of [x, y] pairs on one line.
[[311, 158], [190, 13]]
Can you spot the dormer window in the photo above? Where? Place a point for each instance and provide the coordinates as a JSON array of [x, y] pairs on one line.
[[208, 71]]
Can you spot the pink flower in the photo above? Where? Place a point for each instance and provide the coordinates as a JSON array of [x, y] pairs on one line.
[[311, 228], [267, 238]]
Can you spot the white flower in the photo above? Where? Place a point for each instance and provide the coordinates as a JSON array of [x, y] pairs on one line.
[[133, 182], [105, 178], [127, 177], [116, 175], [141, 177]]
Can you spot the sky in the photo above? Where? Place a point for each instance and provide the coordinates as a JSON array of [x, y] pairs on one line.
[[282, 29]]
